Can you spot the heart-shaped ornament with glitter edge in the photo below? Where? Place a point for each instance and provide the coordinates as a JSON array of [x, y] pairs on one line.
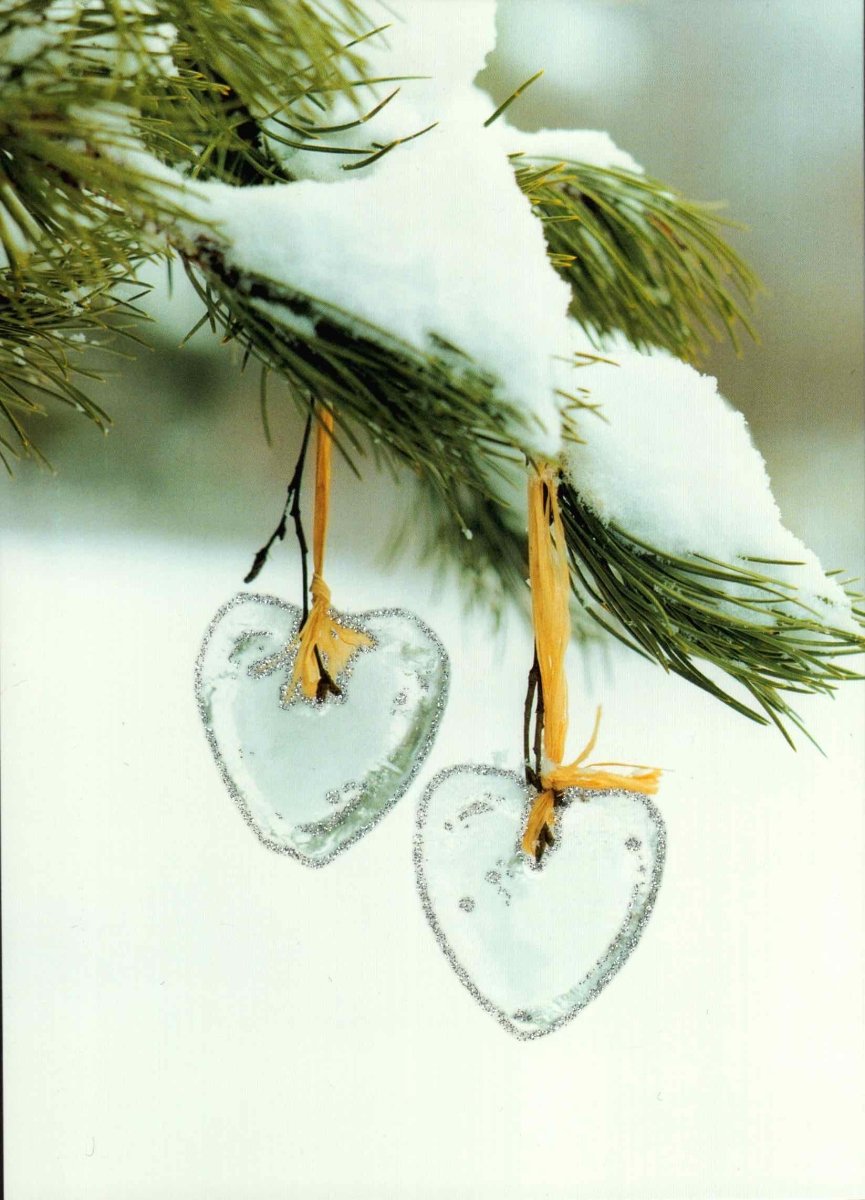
[[312, 776], [538, 887], [533, 941], [318, 721]]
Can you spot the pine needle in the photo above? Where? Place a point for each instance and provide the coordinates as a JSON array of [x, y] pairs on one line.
[[641, 259], [515, 95], [681, 611]]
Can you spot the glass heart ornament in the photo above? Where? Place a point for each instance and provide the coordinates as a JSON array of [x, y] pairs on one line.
[[312, 776], [534, 942]]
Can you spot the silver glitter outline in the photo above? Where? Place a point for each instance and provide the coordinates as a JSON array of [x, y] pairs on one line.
[[354, 621], [625, 940]]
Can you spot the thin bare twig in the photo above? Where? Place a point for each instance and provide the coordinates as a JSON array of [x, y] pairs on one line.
[[292, 509]]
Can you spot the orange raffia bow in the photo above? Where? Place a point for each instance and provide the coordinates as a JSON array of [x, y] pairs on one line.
[[550, 584], [321, 634]]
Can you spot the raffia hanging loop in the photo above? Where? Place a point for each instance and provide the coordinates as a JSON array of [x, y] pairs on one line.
[[550, 583], [321, 637]]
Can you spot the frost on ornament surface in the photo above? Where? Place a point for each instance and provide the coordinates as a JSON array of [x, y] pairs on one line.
[[310, 778], [534, 944]]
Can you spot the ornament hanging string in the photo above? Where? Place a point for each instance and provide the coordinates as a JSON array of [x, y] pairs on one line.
[[324, 645], [550, 584]]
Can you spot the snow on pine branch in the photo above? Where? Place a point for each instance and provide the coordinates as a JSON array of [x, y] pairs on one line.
[[438, 244], [671, 464], [437, 241]]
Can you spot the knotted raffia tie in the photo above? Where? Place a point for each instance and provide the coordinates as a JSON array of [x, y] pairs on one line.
[[550, 584], [321, 641]]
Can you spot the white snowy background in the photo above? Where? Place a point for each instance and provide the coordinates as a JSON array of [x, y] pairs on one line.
[[187, 1015]]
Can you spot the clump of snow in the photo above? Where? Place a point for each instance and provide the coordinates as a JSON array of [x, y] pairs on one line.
[[435, 240], [430, 38], [30, 36], [590, 146], [439, 242], [431, 52], [435, 39], [673, 464], [446, 50]]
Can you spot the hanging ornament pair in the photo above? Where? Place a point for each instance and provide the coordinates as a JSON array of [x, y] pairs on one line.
[[538, 886]]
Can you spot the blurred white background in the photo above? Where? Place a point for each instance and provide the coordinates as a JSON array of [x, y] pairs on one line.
[[187, 1016]]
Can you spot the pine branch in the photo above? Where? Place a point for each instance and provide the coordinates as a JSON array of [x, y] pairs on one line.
[[679, 611], [43, 342], [220, 91], [435, 411], [210, 87], [640, 258], [192, 82], [275, 65]]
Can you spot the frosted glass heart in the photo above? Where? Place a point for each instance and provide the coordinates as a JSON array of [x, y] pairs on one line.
[[534, 943], [311, 778]]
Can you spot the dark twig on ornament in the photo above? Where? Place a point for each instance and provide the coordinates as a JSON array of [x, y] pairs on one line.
[[532, 777], [545, 838], [292, 509], [326, 686], [532, 749], [539, 722]]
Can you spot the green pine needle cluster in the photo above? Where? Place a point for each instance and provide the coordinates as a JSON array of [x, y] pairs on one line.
[[640, 258], [681, 612], [44, 339], [189, 81], [486, 547]]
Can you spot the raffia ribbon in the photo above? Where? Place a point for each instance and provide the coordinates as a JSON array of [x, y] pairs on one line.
[[550, 584], [336, 643]]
